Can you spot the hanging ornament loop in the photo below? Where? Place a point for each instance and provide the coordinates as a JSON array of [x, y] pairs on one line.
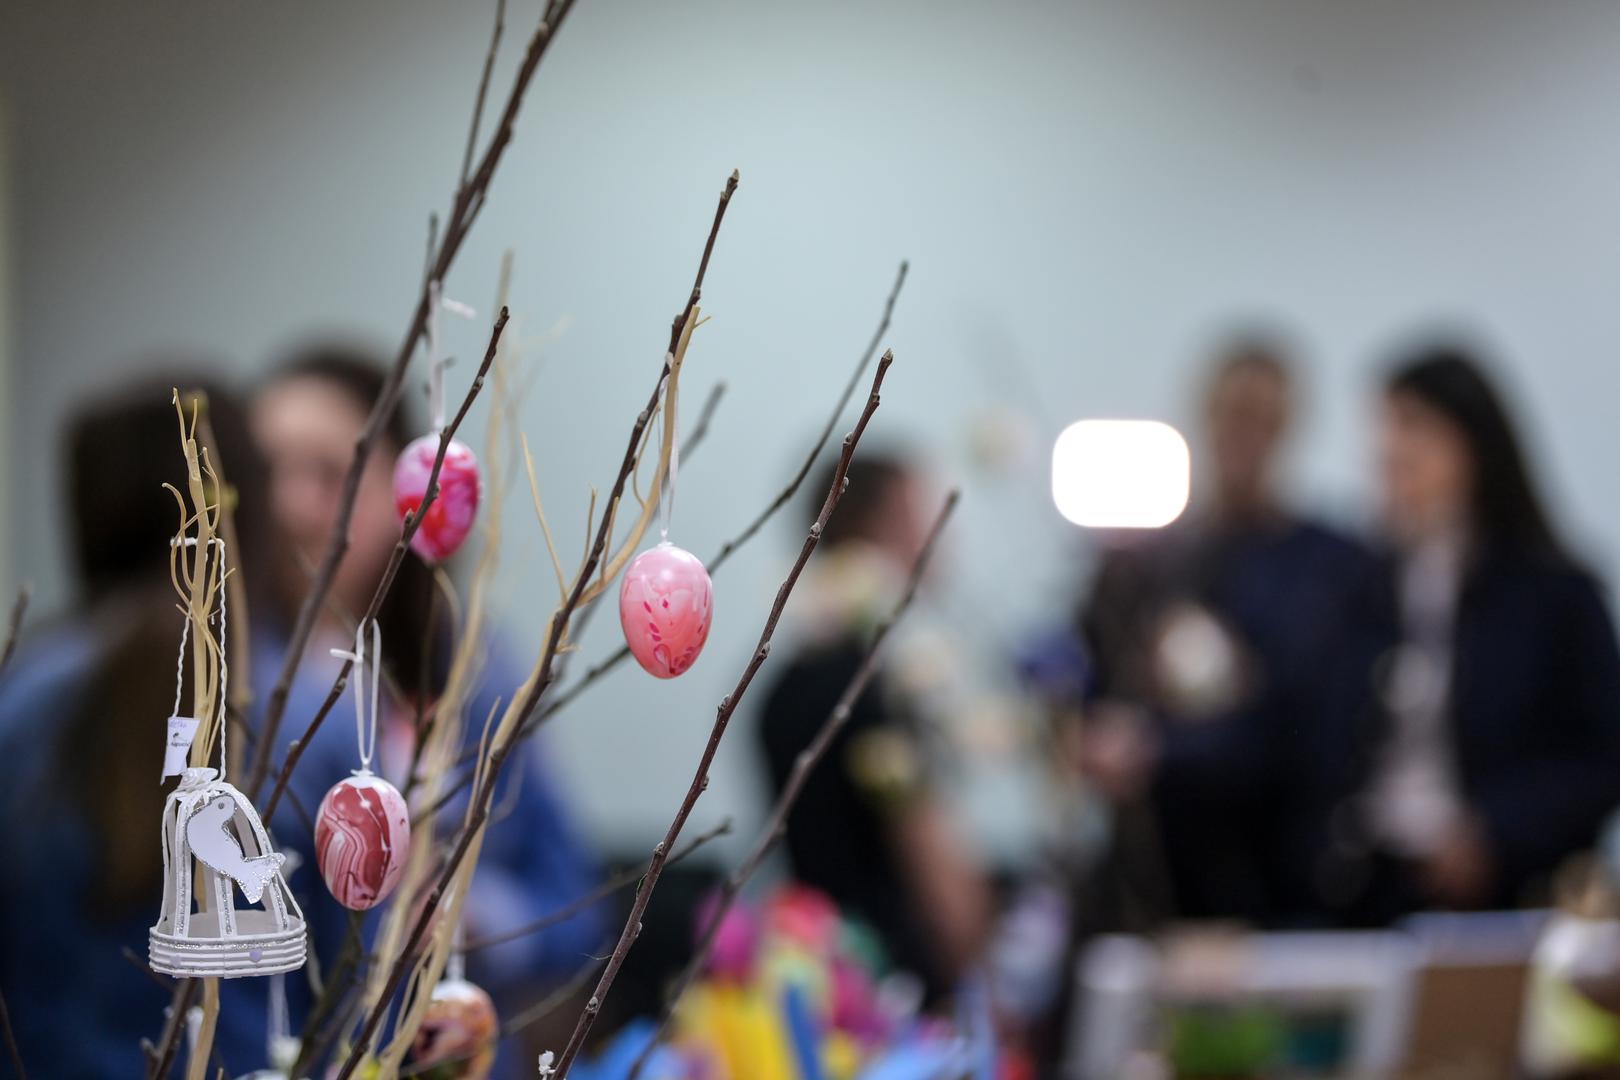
[[666, 497], [436, 361], [367, 682]]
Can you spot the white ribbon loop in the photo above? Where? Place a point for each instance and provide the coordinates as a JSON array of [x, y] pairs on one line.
[[437, 303], [365, 663]]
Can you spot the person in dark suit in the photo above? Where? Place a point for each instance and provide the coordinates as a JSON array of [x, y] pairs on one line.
[[1461, 735], [1193, 631]]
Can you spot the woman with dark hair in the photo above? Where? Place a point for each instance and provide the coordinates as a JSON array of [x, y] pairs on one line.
[[307, 418], [1464, 734]]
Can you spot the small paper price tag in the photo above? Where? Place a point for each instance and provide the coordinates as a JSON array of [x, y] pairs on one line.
[[182, 729]]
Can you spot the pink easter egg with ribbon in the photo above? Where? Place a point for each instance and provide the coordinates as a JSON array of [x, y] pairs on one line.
[[362, 840], [450, 519], [665, 606]]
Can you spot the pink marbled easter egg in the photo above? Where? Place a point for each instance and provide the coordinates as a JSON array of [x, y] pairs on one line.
[[362, 840], [450, 519], [665, 606]]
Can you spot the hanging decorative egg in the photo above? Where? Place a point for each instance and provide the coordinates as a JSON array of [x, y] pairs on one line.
[[458, 1035], [665, 606], [450, 519], [362, 840]]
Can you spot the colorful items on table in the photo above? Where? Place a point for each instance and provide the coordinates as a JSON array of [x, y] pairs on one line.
[[786, 996], [458, 1036], [362, 839], [449, 521], [666, 605]]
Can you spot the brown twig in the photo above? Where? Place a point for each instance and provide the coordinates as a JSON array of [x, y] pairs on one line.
[[543, 675], [728, 706], [700, 430], [163, 1056], [11, 1040], [621, 880], [469, 200], [803, 766], [19, 609], [402, 546], [483, 89]]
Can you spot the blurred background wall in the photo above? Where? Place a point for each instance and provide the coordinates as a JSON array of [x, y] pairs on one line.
[[1087, 193]]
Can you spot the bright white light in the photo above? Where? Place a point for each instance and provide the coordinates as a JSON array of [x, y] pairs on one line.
[[1121, 474]]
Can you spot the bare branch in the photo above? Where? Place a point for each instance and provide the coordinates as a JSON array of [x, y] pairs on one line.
[[483, 89], [11, 1040], [728, 706], [19, 609], [803, 766]]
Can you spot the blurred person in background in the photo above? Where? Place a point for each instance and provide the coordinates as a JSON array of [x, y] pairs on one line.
[[307, 418], [82, 708], [1464, 724], [1193, 631], [870, 829]]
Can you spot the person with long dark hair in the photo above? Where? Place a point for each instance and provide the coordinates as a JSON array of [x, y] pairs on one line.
[[1463, 735], [307, 417], [82, 707]]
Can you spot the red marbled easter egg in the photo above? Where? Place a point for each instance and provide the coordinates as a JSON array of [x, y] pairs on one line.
[[665, 606], [450, 519], [362, 839]]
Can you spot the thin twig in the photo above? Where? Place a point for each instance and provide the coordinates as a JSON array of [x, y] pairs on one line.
[[803, 766], [483, 89], [621, 880], [402, 546], [700, 430], [469, 199], [163, 1056], [478, 811], [19, 609], [728, 706], [11, 1040]]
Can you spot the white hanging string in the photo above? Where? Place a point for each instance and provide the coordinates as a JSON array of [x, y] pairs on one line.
[[436, 363], [455, 967], [365, 664], [666, 498], [185, 635]]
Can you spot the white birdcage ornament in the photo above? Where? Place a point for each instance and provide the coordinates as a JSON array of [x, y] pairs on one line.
[[214, 844]]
